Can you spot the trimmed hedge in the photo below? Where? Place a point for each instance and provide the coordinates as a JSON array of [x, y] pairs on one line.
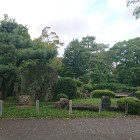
[[137, 94], [114, 87], [88, 87], [67, 86], [61, 96], [100, 93], [133, 104]]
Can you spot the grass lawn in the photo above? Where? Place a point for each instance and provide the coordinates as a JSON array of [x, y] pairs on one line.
[[93, 101], [10, 110]]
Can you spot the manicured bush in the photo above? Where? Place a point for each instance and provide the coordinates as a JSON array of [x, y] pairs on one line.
[[137, 94], [100, 93], [133, 104], [79, 83], [67, 86], [88, 87], [114, 87], [61, 96]]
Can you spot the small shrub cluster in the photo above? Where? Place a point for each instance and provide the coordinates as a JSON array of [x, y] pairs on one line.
[[133, 104], [137, 94], [67, 86], [100, 93], [114, 87], [79, 83], [88, 87], [77, 94]]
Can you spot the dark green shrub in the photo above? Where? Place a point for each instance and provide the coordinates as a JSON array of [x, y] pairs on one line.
[[133, 104], [114, 87], [67, 86], [88, 87], [137, 94], [100, 93], [79, 83], [61, 96]]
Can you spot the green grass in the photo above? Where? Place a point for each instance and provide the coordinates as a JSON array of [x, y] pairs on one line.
[[10, 110]]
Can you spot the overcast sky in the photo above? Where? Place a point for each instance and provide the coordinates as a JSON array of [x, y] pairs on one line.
[[109, 20]]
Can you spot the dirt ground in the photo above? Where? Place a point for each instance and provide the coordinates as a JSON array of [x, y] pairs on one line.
[[71, 129]]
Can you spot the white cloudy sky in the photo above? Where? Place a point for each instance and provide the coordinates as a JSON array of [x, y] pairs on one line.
[[109, 20]]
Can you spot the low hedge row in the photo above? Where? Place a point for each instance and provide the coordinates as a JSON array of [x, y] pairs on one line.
[[114, 87]]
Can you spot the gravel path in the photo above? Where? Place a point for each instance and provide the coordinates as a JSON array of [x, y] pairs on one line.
[[75, 129]]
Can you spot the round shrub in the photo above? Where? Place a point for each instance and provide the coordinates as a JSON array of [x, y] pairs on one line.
[[137, 94], [88, 87], [100, 93], [67, 86], [79, 83], [133, 104], [61, 96]]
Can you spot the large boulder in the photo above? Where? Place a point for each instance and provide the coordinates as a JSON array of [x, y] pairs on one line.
[[62, 103], [38, 81]]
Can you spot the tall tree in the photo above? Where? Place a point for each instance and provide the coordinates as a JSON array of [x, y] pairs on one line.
[[13, 37], [18, 51], [126, 60], [136, 12], [86, 59], [74, 59]]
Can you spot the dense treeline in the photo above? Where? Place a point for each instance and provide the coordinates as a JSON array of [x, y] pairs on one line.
[[84, 60], [97, 63]]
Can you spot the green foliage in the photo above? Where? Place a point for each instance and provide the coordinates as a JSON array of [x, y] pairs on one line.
[[78, 93], [18, 51], [61, 95], [74, 59], [88, 87], [133, 104], [57, 64], [137, 94], [114, 87], [100, 93], [125, 57], [67, 86], [136, 12], [78, 82]]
